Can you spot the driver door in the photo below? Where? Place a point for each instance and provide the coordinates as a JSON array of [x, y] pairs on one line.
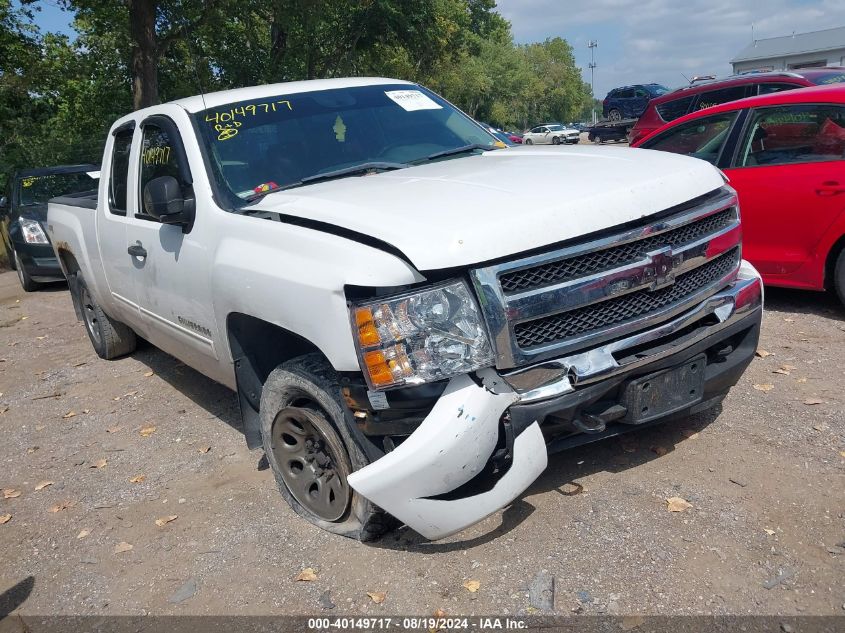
[[171, 262]]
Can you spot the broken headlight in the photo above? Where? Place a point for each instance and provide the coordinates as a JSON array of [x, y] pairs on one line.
[[420, 337]]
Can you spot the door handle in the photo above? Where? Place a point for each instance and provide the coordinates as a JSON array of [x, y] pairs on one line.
[[136, 250], [830, 188]]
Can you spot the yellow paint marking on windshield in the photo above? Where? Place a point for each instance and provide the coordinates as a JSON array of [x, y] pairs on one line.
[[226, 122], [339, 129]]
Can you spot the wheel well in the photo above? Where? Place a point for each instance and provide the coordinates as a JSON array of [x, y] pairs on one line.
[[71, 268], [258, 347], [830, 262]]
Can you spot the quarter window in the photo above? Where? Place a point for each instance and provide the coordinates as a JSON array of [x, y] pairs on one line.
[[793, 134], [119, 172], [703, 138], [715, 97]]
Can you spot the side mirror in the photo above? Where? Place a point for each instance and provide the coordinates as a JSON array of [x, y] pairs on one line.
[[4, 205], [164, 201]]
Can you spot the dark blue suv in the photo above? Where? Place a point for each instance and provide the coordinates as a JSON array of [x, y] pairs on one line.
[[629, 102]]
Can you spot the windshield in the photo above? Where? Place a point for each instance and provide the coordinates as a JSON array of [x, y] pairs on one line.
[[278, 142], [828, 78], [33, 190]]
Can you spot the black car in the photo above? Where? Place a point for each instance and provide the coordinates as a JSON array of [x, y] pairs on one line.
[[629, 102], [23, 218]]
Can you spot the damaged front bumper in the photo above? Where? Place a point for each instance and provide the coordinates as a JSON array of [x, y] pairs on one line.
[[459, 436]]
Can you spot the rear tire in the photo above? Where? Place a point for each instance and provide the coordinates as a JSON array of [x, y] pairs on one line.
[[311, 451], [839, 276], [26, 281], [109, 337], [614, 115], [555, 140]]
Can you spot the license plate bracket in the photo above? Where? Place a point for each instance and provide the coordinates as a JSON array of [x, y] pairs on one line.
[[665, 392]]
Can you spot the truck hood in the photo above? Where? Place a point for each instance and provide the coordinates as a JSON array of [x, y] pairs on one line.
[[478, 208]]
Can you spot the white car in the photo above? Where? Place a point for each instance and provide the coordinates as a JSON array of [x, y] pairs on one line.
[[551, 134], [411, 322]]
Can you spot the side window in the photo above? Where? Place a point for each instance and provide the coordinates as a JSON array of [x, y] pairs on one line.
[[715, 97], [641, 93], [769, 88], [626, 93], [158, 158], [119, 172], [703, 138], [674, 109], [793, 134]]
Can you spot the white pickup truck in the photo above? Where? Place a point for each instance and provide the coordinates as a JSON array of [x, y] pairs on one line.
[[411, 316]]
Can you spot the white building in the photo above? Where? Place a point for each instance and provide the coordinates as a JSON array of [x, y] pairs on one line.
[[799, 50]]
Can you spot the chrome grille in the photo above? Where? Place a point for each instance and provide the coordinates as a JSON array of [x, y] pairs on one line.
[[543, 306], [606, 259], [607, 313]]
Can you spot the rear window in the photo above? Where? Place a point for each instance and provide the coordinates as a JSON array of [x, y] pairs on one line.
[[674, 109], [828, 78]]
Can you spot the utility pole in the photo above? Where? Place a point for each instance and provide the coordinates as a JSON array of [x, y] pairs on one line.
[[592, 44]]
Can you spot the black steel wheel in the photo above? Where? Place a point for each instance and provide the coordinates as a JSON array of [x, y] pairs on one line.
[[311, 459], [308, 439], [109, 337], [27, 283]]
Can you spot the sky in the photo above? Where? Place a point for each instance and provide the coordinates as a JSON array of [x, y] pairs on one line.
[[645, 41], [639, 41]]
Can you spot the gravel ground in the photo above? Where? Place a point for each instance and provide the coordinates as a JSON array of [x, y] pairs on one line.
[[128, 442]]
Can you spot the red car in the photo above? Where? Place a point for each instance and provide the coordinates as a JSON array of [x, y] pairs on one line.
[[784, 153], [670, 106]]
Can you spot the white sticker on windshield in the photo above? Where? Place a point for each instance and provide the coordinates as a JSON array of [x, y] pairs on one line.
[[412, 100]]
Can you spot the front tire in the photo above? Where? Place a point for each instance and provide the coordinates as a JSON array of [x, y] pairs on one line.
[[26, 281], [839, 276], [109, 337], [555, 140], [528, 141], [311, 451]]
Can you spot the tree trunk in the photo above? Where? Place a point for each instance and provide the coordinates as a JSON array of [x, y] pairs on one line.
[[142, 28]]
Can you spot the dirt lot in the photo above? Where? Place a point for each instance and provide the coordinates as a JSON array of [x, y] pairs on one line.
[[765, 477]]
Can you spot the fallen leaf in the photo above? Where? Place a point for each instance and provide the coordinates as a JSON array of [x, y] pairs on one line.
[[786, 367], [789, 320], [204, 449], [812, 401], [440, 613], [769, 531], [161, 522], [113, 429], [43, 484], [40, 427], [63, 505], [677, 504], [11, 493], [820, 427], [131, 393], [5, 518], [85, 362], [761, 353], [40, 338], [841, 453], [781, 371], [137, 479], [801, 380], [148, 374], [472, 586], [100, 463], [377, 596], [766, 387], [83, 533], [147, 431], [307, 575], [121, 547], [660, 451], [24, 318], [69, 414]]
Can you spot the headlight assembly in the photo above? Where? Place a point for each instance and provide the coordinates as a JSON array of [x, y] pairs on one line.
[[32, 231], [419, 337]]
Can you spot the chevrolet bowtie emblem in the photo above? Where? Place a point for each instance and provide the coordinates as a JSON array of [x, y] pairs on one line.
[[660, 270]]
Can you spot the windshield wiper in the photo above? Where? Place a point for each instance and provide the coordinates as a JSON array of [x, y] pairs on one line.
[[460, 150], [363, 168]]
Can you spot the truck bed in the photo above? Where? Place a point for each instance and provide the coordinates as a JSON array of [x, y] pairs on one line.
[[84, 199]]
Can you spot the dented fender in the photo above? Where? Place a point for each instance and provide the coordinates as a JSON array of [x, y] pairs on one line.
[[451, 446]]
